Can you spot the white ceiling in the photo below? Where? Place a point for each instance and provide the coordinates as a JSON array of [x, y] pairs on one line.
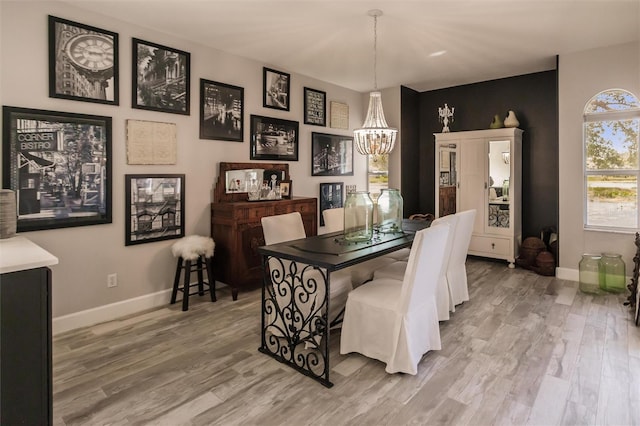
[[333, 40]]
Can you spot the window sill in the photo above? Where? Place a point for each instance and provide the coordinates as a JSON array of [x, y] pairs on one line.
[[613, 230]]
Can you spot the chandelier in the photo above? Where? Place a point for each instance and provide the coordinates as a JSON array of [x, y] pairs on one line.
[[375, 136]]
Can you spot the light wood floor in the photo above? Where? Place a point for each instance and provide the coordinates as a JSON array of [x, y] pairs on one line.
[[526, 349]]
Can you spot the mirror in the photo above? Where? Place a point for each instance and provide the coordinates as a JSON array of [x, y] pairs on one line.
[[448, 177], [499, 180], [234, 179], [239, 180]]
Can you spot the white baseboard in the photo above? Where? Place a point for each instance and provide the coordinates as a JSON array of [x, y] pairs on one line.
[[109, 312], [568, 274]]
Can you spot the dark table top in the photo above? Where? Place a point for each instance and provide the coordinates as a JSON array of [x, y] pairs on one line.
[[331, 251]]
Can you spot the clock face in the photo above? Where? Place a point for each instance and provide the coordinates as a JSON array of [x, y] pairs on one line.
[[92, 52]]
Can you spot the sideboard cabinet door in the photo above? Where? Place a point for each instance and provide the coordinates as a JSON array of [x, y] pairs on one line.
[[237, 232]]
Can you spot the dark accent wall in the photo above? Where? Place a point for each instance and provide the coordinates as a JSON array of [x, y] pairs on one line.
[[410, 149], [533, 97]]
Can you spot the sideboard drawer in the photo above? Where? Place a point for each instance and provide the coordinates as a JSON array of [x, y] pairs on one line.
[[258, 212]]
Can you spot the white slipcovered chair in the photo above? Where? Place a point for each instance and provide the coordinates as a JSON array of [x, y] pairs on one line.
[[397, 324], [333, 219], [363, 272], [397, 269], [457, 269], [287, 227]]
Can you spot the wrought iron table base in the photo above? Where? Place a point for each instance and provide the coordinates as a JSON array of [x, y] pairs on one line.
[[295, 306]]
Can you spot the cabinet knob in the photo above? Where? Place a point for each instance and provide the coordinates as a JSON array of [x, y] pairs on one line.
[[493, 246]]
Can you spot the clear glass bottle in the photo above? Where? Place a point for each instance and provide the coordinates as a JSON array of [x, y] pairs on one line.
[[254, 191], [358, 217], [612, 273], [589, 267], [390, 211], [505, 189]]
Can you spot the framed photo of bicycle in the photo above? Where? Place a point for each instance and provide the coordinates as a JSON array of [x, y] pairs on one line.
[[161, 78], [276, 88], [154, 206], [59, 165], [273, 139], [315, 107]]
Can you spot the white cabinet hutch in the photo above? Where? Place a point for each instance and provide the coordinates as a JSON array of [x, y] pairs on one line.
[[482, 170]]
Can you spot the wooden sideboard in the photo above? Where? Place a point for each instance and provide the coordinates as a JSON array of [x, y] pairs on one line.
[[237, 232]]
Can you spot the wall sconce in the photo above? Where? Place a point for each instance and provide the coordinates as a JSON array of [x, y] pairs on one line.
[[506, 157]]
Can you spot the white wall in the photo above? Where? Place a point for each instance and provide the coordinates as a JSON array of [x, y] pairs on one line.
[[581, 76], [87, 254]]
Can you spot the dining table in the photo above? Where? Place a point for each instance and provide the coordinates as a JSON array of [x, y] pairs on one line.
[[295, 327]]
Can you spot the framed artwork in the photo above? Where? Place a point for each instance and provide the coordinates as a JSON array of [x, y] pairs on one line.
[[273, 139], [339, 115], [315, 107], [150, 142], [286, 189], [83, 62], [161, 78], [331, 155], [221, 111], [331, 197], [276, 86], [154, 208], [59, 165]]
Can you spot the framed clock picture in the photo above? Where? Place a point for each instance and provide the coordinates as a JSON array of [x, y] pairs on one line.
[[83, 62]]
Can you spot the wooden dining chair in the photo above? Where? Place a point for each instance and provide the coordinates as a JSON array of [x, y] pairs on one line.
[[398, 324]]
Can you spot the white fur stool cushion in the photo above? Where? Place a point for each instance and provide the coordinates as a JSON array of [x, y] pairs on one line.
[[192, 247]]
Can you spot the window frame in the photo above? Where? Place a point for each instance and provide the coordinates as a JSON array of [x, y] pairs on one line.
[[370, 173], [632, 113]]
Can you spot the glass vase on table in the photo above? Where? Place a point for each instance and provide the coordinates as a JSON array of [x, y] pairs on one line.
[[358, 217], [390, 211]]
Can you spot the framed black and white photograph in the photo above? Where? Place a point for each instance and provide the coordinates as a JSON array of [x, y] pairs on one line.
[[161, 78], [273, 139], [276, 86], [154, 208], [59, 165], [331, 197], [83, 62], [286, 189], [221, 111], [331, 155], [315, 107]]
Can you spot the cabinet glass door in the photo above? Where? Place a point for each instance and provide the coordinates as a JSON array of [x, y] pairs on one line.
[[499, 183], [447, 180]]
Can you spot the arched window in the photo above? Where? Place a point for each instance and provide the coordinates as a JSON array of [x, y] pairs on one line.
[[611, 162]]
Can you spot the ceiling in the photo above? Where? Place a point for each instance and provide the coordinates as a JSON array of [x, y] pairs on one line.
[[333, 40]]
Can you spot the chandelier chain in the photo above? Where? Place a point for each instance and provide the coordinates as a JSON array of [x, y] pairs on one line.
[[375, 52]]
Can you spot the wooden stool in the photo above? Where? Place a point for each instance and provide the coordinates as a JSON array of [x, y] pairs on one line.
[[194, 253]]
